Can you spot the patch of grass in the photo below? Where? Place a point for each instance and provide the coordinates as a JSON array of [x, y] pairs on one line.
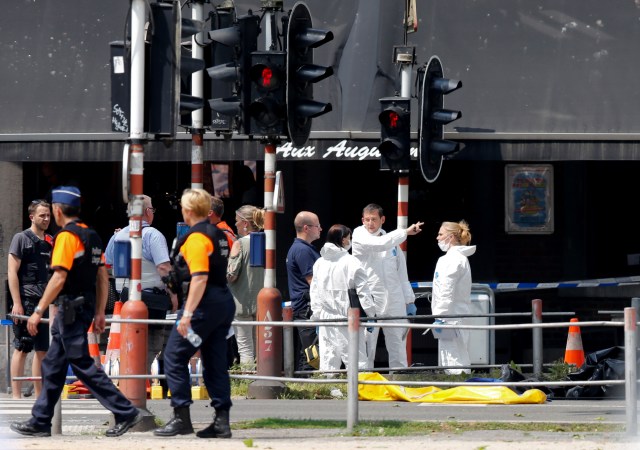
[[310, 391], [392, 428], [239, 388]]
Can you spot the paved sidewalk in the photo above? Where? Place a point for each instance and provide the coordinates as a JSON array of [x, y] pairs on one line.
[[310, 439], [84, 424]]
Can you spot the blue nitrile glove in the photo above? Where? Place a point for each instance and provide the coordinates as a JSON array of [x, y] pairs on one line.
[[411, 309], [438, 330], [370, 329]]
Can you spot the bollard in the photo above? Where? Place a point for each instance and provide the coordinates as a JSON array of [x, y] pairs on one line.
[[287, 343], [269, 345], [536, 317], [353, 316], [56, 420], [133, 352], [635, 303], [7, 323], [630, 370]]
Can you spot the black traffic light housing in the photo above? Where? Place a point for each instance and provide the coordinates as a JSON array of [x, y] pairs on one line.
[[268, 109], [302, 73], [242, 38], [218, 54], [166, 64], [433, 147], [395, 134]]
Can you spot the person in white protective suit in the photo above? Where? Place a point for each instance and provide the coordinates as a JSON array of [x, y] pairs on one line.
[[452, 294], [386, 266], [334, 273]]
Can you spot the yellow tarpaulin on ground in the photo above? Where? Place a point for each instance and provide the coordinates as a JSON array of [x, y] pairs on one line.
[[462, 394]]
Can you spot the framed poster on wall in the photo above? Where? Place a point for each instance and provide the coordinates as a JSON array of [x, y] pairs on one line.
[[529, 199]]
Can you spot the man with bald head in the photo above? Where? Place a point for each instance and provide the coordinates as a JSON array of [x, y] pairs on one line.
[[300, 259]]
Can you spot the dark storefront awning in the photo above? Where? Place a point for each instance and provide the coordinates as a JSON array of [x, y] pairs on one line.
[[109, 147]]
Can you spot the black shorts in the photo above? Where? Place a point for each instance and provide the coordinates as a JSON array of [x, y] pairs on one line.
[[22, 340]]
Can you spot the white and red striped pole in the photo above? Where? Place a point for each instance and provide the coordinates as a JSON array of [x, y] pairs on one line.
[[197, 90], [403, 222], [196, 160], [269, 298], [270, 215], [133, 349], [403, 206]]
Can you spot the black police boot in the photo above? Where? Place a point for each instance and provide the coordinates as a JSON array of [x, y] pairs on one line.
[[180, 423], [220, 427]]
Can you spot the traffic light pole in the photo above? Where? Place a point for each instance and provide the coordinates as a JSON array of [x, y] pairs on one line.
[[134, 335], [269, 308], [406, 61], [197, 90]]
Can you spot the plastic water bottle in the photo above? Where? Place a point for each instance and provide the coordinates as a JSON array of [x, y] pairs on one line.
[[193, 338]]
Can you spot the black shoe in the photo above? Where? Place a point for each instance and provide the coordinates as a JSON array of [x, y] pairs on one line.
[[219, 428], [122, 427], [179, 424], [26, 429]]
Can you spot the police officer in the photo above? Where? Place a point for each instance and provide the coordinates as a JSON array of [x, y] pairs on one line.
[[79, 287], [209, 311]]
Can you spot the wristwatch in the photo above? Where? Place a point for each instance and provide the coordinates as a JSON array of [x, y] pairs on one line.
[[38, 310], [187, 314]]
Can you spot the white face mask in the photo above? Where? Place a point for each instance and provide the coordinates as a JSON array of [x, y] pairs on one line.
[[444, 246], [348, 246]]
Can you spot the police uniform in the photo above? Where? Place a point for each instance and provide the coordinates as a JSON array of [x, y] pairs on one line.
[[203, 249], [78, 250]]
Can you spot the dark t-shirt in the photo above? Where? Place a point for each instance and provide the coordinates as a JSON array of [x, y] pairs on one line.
[[22, 247], [300, 259]]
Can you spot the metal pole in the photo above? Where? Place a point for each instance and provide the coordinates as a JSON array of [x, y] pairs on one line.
[[635, 303], [630, 369], [197, 90], [134, 353], [353, 316], [536, 317], [8, 367], [270, 215], [403, 185], [56, 420], [287, 343]]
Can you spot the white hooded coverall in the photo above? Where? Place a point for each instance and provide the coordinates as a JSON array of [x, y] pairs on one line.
[[452, 295], [386, 267], [334, 273]]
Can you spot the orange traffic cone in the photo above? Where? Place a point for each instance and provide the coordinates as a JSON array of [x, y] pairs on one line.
[[112, 356], [94, 350], [574, 354]]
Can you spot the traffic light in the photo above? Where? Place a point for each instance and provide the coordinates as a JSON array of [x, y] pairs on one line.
[[242, 38], [268, 110], [221, 55], [163, 99], [302, 73], [433, 116], [395, 140]]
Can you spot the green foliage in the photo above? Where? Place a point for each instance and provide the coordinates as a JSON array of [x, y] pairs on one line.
[[514, 366], [559, 370], [297, 391], [239, 388]]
